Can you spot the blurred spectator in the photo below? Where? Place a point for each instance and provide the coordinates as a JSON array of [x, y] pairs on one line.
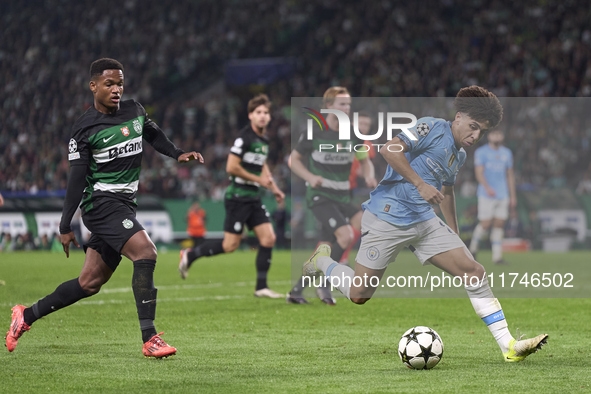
[[24, 242], [56, 244], [584, 186], [7, 244], [196, 219], [44, 243], [515, 49]]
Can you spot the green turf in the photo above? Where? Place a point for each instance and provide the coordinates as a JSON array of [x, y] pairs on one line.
[[231, 342]]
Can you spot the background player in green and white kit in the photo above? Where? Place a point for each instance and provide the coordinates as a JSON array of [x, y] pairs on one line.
[[328, 195], [105, 154], [248, 172]]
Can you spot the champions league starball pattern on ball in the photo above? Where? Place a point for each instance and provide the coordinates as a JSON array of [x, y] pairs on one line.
[[420, 348]]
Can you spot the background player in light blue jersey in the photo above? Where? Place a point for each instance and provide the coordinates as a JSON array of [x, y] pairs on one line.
[[399, 214], [493, 164]]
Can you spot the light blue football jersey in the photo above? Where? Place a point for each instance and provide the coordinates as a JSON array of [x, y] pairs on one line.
[[495, 162], [434, 158]]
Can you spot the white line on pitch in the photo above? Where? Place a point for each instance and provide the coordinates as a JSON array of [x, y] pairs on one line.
[[188, 287], [180, 299]]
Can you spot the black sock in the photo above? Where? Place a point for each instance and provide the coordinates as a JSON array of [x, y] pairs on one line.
[[29, 316], [263, 264], [299, 287], [148, 333], [65, 294], [208, 248], [336, 252], [142, 283]]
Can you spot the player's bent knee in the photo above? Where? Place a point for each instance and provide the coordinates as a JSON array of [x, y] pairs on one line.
[[268, 242], [230, 247], [91, 291], [91, 288], [477, 270], [344, 240], [360, 301], [485, 225], [145, 252]]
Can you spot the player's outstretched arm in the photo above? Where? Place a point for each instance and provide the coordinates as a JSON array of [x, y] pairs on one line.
[[369, 172], [397, 160], [448, 208], [74, 191], [512, 192], [233, 167], [159, 141], [480, 178], [298, 167], [189, 156], [279, 195]]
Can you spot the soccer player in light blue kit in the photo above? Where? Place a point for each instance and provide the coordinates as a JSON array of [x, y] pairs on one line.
[[493, 164], [399, 214]]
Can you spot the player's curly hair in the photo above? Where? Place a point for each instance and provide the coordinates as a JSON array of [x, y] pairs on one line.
[[479, 104], [98, 66], [259, 99]]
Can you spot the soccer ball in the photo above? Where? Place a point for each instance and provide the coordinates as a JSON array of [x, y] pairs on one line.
[[420, 348]]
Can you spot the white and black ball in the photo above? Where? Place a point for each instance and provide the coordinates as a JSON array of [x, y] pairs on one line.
[[420, 348]]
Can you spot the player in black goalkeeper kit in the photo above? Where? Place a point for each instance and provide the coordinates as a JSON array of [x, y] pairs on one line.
[[248, 171], [105, 155]]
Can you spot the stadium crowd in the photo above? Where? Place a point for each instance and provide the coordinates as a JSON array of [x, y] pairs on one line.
[[173, 54]]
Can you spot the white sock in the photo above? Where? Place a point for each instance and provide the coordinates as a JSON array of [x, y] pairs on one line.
[[340, 275], [476, 236], [488, 308], [496, 240]]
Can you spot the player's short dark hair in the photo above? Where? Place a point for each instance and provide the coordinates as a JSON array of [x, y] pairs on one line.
[[479, 104], [98, 66], [332, 92], [364, 114], [258, 100]]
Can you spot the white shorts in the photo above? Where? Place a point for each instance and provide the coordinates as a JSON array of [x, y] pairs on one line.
[[489, 208], [382, 241]]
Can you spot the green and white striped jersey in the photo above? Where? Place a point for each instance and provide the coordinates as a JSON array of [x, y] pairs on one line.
[[333, 164], [253, 150], [111, 146]]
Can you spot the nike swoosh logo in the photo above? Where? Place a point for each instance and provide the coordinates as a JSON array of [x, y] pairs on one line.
[[107, 139], [364, 234], [147, 302]]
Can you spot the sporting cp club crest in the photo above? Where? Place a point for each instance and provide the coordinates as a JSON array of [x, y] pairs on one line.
[[137, 126], [125, 131], [127, 223]]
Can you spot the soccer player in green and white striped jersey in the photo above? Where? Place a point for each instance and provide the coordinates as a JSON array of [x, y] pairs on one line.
[[248, 171], [105, 155], [328, 195]]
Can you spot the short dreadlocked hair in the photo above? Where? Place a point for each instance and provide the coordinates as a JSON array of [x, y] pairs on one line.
[[98, 66]]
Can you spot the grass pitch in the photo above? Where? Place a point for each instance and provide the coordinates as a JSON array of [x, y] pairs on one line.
[[229, 341]]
